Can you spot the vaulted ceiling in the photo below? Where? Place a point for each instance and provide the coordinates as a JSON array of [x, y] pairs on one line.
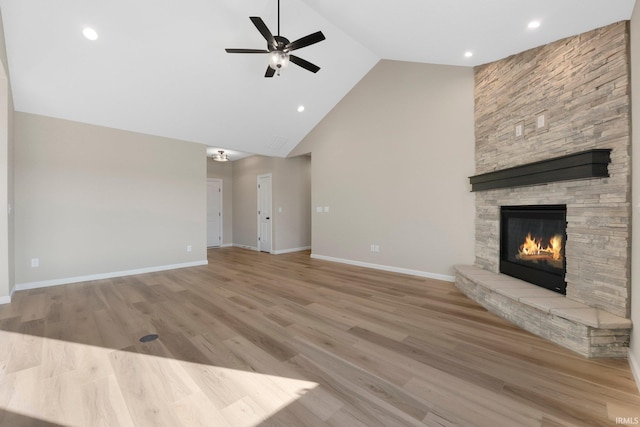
[[159, 66]]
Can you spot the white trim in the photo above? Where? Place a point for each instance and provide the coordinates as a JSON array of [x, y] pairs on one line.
[[258, 237], [387, 268], [287, 251], [221, 223], [226, 245], [68, 280], [635, 367], [7, 299]]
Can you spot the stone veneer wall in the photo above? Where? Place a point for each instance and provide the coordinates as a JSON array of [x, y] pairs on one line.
[[583, 83]]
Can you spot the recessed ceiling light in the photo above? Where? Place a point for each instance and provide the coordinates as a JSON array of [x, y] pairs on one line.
[[534, 24], [90, 33], [468, 54], [300, 108]]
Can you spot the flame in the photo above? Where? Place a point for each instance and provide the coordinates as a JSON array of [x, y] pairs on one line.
[[556, 247], [533, 246], [530, 246]]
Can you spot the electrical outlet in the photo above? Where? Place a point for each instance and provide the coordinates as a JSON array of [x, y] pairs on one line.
[[35, 262], [188, 248]]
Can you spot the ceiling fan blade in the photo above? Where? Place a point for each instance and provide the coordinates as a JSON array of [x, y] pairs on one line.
[[262, 27], [304, 64], [305, 41], [270, 72], [247, 51]]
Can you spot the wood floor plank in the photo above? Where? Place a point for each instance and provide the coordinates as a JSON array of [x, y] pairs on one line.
[[257, 339], [149, 397]]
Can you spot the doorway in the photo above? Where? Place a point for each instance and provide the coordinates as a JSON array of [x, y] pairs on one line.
[[214, 212], [264, 213]]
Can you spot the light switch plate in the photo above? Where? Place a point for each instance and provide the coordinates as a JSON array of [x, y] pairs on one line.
[[542, 121], [519, 129]]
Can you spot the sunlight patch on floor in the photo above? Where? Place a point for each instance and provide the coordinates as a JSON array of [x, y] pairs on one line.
[[78, 385]]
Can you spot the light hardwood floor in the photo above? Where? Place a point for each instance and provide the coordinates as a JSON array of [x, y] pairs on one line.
[[257, 339]]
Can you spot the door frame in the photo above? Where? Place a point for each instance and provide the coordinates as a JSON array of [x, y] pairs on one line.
[[270, 176], [220, 223]]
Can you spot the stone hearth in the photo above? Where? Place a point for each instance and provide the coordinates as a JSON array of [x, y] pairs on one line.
[[586, 330]]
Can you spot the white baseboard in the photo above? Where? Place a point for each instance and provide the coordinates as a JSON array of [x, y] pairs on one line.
[[77, 279], [387, 268], [7, 299], [634, 362], [226, 245], [288, 251]]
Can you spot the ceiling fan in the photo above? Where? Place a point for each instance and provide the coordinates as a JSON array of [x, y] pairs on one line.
[[279, 48]]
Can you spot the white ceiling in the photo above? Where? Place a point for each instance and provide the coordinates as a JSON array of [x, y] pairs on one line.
[[159, 66]]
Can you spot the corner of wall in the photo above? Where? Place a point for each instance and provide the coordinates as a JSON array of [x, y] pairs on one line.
[[634, 362], [6, 168], [634, 347]]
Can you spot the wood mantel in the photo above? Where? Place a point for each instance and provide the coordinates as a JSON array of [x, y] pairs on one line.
[[583, 165]]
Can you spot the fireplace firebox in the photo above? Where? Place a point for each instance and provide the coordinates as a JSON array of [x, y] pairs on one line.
[[532, 244]]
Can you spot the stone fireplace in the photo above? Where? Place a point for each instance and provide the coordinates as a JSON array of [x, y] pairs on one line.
[[578, 89]]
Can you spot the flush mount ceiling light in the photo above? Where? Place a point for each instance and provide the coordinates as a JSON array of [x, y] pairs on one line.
[[89, 33], [468, 54], [300, 108], [533, 24], [279, 48], [221, 157]]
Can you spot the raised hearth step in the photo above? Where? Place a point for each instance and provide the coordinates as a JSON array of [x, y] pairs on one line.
[[589, 331]]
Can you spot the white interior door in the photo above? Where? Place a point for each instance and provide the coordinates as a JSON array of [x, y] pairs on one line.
[[214, 212], [264, 213]]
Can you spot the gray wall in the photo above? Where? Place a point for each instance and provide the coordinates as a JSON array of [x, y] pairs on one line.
[[634, 354], [391, 162], [92, 200], [224, 171], [291, 190], [292, 194], [7, 271]]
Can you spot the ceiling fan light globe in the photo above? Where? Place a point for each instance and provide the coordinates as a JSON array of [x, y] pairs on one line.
[[221, 157], [278, 60]]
